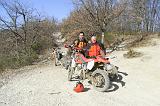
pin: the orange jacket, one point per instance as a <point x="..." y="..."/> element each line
<point x="94" y="50"/>
<point x="81" y="43"/>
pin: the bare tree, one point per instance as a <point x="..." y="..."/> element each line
<point x="139" y="16"/>
<point x="146" y="14"/>
<point x="26" y="32"/>
<point x="99" y="13"/>
<point x="16" y="18"/>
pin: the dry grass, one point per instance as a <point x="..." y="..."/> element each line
<point x="132" y="54"/>
<point x="147" y="41"/>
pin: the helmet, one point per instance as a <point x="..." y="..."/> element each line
<point x="79" y="87"/>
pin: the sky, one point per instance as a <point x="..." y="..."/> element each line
<point x="57" y="8"/>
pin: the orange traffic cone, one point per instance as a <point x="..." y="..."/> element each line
<point x="79" y="87"/>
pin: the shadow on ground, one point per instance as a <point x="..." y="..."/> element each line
<point x="114" y="82"/>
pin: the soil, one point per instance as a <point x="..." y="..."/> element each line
<point x="46" y="85"/>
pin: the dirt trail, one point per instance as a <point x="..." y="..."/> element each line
<point x="139" y="85"/>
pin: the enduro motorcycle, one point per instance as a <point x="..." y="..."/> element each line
<point x="60" y="57"/>
<point x="98" y="70"/>
<point x="58" y="54"/>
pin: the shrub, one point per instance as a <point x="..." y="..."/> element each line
<point x="37" y="47"/>
<point x="159" y="34"/>
<point x="132" y="54"/>
<point x="17" y="62"/>
<point x="1" y="67"/>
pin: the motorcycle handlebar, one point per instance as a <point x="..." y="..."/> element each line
<point x="72" y="47"/>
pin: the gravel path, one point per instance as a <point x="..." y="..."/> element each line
<point x="47" y="85"/>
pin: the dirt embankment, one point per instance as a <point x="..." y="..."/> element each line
<point x="47" y="85"/>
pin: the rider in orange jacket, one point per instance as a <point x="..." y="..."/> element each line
<point x="94" y="48"/>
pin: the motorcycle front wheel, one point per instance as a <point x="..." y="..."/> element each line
<point x="101" y="80"/>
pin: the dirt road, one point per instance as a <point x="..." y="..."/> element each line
<point x="47" y="85"/>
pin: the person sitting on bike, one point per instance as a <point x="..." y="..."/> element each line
<point x="94" y="48"/>
<point x="81" y="42"/>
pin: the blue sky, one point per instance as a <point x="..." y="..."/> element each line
<point x="57" y="8"/>
<point x="52" y="8"/>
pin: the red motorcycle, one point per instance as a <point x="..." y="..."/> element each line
<point x="98" y="70"/>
